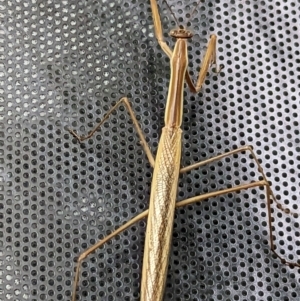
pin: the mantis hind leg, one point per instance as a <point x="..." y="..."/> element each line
<point x="126" y="103"/>
<point x="233" y="152"/>
<point x="189" y="201"/>
<point x="270" y="196"/>
<point x="144" y="214"/>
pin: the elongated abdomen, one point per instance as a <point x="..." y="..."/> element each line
<point x="161" y="215"/>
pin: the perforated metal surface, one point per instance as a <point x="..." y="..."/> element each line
<point x="65" y="63"/>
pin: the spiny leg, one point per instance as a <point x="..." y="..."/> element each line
<point x="126" y="103"/>
<point x="210" y="58"/>
<point x="158" y="29"/>
<point x="145" y="213"/>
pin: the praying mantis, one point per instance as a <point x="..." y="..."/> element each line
<point x="167" y="167"/>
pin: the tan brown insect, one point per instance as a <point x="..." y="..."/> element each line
<point x="167" y="167"/>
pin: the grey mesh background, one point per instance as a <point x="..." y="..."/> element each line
<point x="64" y="64"/>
